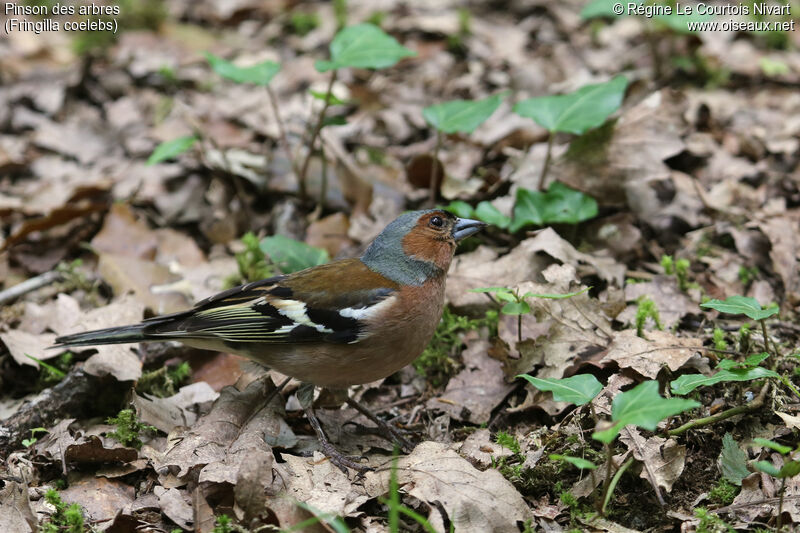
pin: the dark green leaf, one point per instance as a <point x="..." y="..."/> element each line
<point x="583" y="464"/>
<point x="579" y="389"/>
<point x="559" y="204"/>
<point x="290" y="255"/>
<point x="334" y="121"/>
<point x="751" y="361"/>
<point x="688" y="382"/>
<point x="492" y="289"/>
<point x="461" y="116"/>
<point x="363" y="46"/>
<point x="733" y="461"/>
<point x="741" y="305"/>
<point x="258" y="74"/>
<point x="790" y="469"/>
<point x="642" y="406"/>
<point x="171" y="149"/>
<point x="576" y="112"/>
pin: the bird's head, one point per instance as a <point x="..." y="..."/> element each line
<point x="418" y="245"/>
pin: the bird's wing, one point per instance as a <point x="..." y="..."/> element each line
<point x="328" y="303"/>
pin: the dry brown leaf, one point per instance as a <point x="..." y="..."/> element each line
<point x="672" y="303"/>
<point x="605" y="162"/>
<point x="791" y="421"/>
<point x="474" y="500"/>
<point x="648" y="356"/>
<point x="176" y="505"/>
<point x="123" y="234"/>
<point x="663" y="459"/>
<point x="19" y="343"/>
<point x="473" y="393"/>
<point x="749" y="504"/>
<point x="211" y="438"/>
<point x="782" y="233"/>
<point x="168" y="413"/>
<point x="150" y="283"/>
<point x="15" y="510"/>
<point x="480" y="450"/>
<point x="100" y="498"/>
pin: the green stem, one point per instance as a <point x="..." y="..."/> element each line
<point x="546" y="165"/>
<point x="741" y="409"/>
<point x="601" y="504"/>
<point x="790" y="386"/>
<point x="301" y="178"/>
<point x="778" y="523"/>
<point x="614" y="482"/>
<point x="435" y="169"/>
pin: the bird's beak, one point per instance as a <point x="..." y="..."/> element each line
<point x="465" y="227"/>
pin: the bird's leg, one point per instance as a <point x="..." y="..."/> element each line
<point x="389" y="432"/>
<point x="305" y="395"/>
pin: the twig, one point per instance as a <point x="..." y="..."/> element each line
<point x="738" y="410"/>
<point x="546" y="165"/>
<point x="435" y="169"/>
<point x="273" y="101"/>
<point x="42" y="280"/>
<point x="301" y="178"/>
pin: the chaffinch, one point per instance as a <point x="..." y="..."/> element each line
<point x="347" y="322"/>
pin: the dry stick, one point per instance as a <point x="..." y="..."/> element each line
<point x="435" y="168"/>
<point x="739" y="410"/>
<point x="42" y="280"/>
<point x="301" y="178"/>
<point x="546" y="165"/>
<point x="273" y="100"/>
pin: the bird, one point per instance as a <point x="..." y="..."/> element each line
<point x="348" y="322"/>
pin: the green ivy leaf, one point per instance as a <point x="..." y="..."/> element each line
<point x="580" y="389"/>
<point x="363" y="46"/>
<point x="772" y="445"/>
<point x="171" y="149"/>
<point x="258" y="74"/>
<point x="576" y="112"/>
<point x="461" y="209"/>
<point x="741" y="305"/>
<point x="581" y="463"/>
<point x="688" y="382"/>
<point x="461" y="116"/>
<point x="750" y="361"/>
<point x="767" y="468"/>
<point x="515" y="308"/>
<point x="559" y="204"/>
<point x="290" y="255"/>
<point x="733" y="461"/>
<point x="488" y="213"/>
<point x="642" y="406"/>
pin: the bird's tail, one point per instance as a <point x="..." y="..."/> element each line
<point x="118" y="335"/>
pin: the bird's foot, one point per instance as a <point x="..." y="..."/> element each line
<point x="387" y="431"/>
<point x="336" y="457"/>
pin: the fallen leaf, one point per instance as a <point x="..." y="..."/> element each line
<point x="473" y="500"/>
<point x="648" y="356"/>
<point x="663" y="459"/>
<point x="100" y="498"/>
<point x="15" y="510"/>
<point x="473" y="393"/>
<point x="672" y="303"/>
<point x="168" y="413"/>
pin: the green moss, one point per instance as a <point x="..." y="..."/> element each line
<point x="710" y="522"/>
<point x="719" y="340"/>
<point x="303" y="23"/>
<point x="165" y="381"/>
<point x="65" y="518"/>
<point x="252" y="263"/>
<point x="437" y="363"/>
<point x="128" y="429"/>
<point x="723" y="492"/>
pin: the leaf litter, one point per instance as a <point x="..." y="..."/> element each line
<point x="699" y="163"/>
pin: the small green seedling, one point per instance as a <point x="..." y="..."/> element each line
<point x="558" y="205"/>
<point x="171" y="149"/>
<point x="719" y="340"/>
<point x="251" y="262"/>
<point x="31" y="441"/>
<point x="790" y="468"/>
<point x="484" y="211"/>
<point x="646" y="308"/>
<point x="65" y="518"/>
<point x="456" y="116"/>
<point x="577" y="112"/>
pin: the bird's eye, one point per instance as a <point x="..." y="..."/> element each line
<point x="437" y="222"/>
